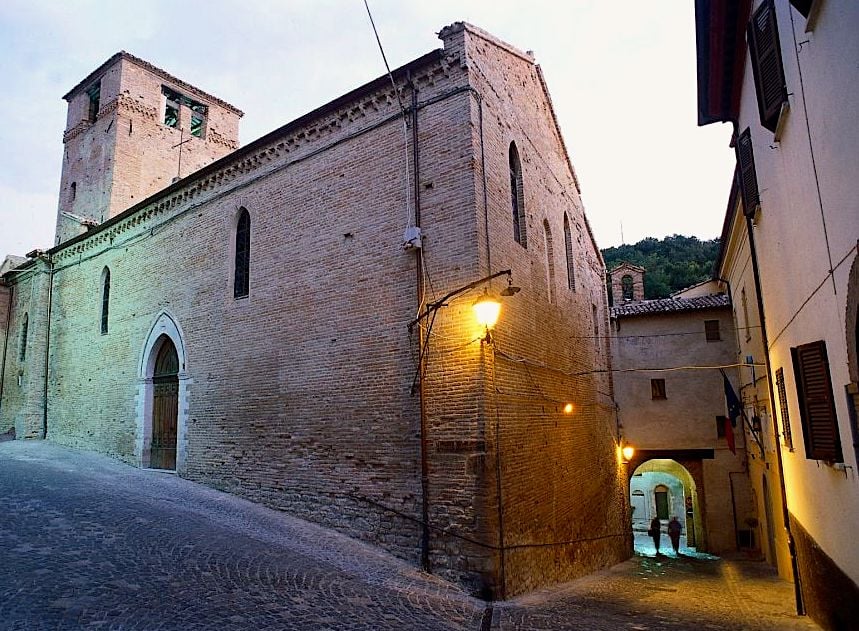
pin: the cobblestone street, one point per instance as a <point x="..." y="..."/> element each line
<point x="88" y="542"/>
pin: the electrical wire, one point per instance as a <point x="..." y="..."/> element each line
<point x="405" y="117"/>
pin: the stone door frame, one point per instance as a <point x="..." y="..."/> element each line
<point x="166" y="325"/>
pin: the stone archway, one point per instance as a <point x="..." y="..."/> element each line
<point x="163" y="352"/>
<point x="682" y="481"/>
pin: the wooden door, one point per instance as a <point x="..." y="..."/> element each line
<point x="165" y="407"/>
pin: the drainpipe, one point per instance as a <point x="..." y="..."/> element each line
<point x="791" y="545"/>
<point x="419" y="271"/>
<point x="49" y="260"/>
<point x="6" y="342"/>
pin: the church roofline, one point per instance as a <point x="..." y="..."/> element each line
<point x="368" y="88"/>
<point x="166" y="76"/>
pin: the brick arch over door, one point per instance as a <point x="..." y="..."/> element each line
<point x="165" y="326"/>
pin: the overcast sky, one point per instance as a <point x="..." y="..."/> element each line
<point x="621" y="74"/>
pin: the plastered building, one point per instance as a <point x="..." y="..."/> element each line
<point x="670" y="394"/>
<point x="783" y="74"/>
<point x="291" y="321"/>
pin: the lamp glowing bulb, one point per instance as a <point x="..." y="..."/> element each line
<point x="628" y="452"/>
<point x="568" y="408"/>
<point x="487" y="308"/>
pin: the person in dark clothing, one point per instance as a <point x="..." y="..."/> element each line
<point x="655" y="532"/>
<point x="674" y="530"/>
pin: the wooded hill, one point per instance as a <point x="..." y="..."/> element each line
<point x="674" y="263"/>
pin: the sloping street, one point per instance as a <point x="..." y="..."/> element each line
<point x="88" y="542"/>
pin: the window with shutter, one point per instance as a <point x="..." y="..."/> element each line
<point x="816" y="403"/>
<point x="767" y="65"/>
<point x="787" y="438"/>
<point x="747" y="174"/>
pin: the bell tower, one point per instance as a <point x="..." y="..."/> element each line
<point x="131" y="130"/>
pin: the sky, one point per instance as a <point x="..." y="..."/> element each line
<point x="621" y="74"/>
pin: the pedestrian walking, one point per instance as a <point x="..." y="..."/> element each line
<point x="655" y="532"/>
<point x="674" y="530"/>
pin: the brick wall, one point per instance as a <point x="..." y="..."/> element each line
<point x="128" y="153"/>
<point x="300" y="395"/>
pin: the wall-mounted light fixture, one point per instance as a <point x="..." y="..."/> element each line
<point x="627" y="451"/>
<point x="487" y="308"/>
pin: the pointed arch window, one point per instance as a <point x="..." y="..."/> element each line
<point x="105" y="299"/>
<point x="22" y="350"/>
<point x="568" y="249"/>
<point x="517" y="197"/>
<point x="241" y="283"/>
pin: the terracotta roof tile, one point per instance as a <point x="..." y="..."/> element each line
<point x="670" y="305"/>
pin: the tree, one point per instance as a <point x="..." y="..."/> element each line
<point x="674" y="263"/>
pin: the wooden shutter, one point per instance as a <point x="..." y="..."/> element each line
<point x="816" y="403"/>
<point x="767" y="64"/>
<point x="747" y="174"/>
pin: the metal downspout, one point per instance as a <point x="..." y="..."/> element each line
<point x="419" y="271"/>
<point x="6" y="342"/>
<point x="791" y="545"/>
<point x="50" y="262"/>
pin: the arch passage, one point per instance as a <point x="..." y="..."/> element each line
<point x="165" y="405"/>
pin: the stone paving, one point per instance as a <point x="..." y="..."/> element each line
<point x="87" y="542"/>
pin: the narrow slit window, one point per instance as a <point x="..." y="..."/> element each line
<point x="105" y="300"/>
<point x="550" y="261"/>
<point x="22" y="350"/>
<point x="241" y="284"/>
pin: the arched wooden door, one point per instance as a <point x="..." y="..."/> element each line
<point x="165" y="406"/>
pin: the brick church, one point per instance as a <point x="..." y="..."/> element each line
<point x="292" y="321"/>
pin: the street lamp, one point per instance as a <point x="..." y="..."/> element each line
<point x="487" y="309"/>
<point x="628" y="452"/>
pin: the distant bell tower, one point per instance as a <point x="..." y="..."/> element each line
<point x="627" y="284"/>
<point x="131" y="130"/>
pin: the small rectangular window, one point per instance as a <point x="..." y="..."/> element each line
<point x="657" y="389"/>
<point x="816" y="403"/>
<point x="720" y="426"/>
<point x="711" y="330"/>
<point x="787" y="439"/>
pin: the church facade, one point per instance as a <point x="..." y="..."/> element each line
<point x="291" y="321"/>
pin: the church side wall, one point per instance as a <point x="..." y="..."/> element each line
<point x="297" y="396"/>
<point x="562" y="511"/>
<point x="23" y="375"/>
